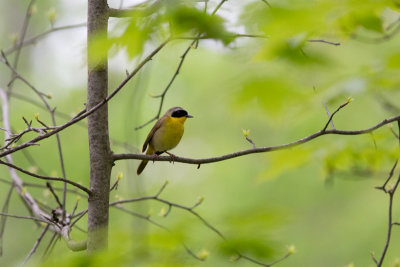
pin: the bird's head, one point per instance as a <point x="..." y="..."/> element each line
<point x="178" y="113"/>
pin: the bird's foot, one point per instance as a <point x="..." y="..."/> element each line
<point x="154" y="156"/>
<point x="172" y="157"/>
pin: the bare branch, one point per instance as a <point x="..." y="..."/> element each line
<point x="147" y="218"/>
<point x="4" y="218"/>
<point x="48" y="185"/>
<point x="385" y="37"/>
<point x="391" y="193"/>
<point x="383" y="187"/>
<point x="52" y="241"/>
<point x="218" y="7"/>
<point x="242" y="35"/>
<point x="25" y="25"/>
<point x="75" y="207"/>
<point x="141" y="10"/>
<point x="79" y="216"/>
<point x="51" y="112"/>
<point x="255" y="150"/>
<point x="83" y="114"/>
<point x="333" y="114"/>
<point x="117" y="204"/>
<point x="267" y="3"/>
<point x="171" y="204"/>
<point x="183" y="56"/>
<point x="36" y="38"/>
<point x="46" y="177"/>
<point x="29" y="201"/>
<point x="323" y="41"/>
<point x="34" y="185"/>
<point x="33" y="250"/>
<point x="23" y="217"/>
<point x="162" y="95"/>
<point x="241" y="256"/>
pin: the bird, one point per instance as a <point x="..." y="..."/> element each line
<point x="165" y="134"/>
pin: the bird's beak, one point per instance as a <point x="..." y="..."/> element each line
<point x="189" y="116"/>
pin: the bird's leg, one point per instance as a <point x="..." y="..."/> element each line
<point x="172" y="157"/>
<point x="154" y="156"/>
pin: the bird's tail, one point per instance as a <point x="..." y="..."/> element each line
<point x="143" y="164"/>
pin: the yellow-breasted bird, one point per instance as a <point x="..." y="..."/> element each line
<point x="165" y="134"/>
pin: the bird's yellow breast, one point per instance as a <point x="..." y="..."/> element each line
<point x="169" y="134"/>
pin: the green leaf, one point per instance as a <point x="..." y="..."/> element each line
<point x="371" y="22"/>
<point x="247" y="246"/>
<point x="184" y="19"/>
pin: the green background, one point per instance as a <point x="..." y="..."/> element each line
<point x="319" y="197"/>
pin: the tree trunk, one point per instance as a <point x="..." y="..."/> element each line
<point x="99" y="145"/>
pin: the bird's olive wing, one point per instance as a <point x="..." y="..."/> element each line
<point x="151" y="134"/>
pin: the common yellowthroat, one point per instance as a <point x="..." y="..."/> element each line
<point x="165" y="134"/>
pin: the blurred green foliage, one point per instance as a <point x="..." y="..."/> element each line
<point x="319" y="196"/>
<point x="162" y="20"/>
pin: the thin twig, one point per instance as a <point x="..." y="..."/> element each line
<point x="240" y="256"/>
<point x="80" y="215"/>
<point x="49" y="178"/>
<point x="34" y="185"/>
<point x="171" y="204"/>
<point x="147" y="218"/>
<point x="218" y="7"/>
<point x="4" y="218"/>
<point x="333" y="114"/>
<point x="75" y="207"/>
<point x="267" y="3"/>
<point x="50" y="244"/>
<point x="391" y="193"/>
<point x="37" y="213"/>
<point x="48" y="185"/>
<point x="23" y="217"/>
<point x="156" y="197"/>
<point x="183" y="56"/>
<point x="84" y="113"/>
<point x="36" y="38"/>
<point x="383" y="187"/>
<point x="323" y="41"/>
<point x="385" y="37"/>
<point x="33" y="250"/>
<point x="18" y="46"/>
<point x="162" y="95"/>
<point x="63" y="116"/>
<point x="51" y="112"/>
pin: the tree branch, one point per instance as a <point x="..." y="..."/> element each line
<point x="183" y="56"/>
<point x="33" y="250"/>
<point x="391" y="193"/>
<point x="36" y="38"/>
<point x="4" y="218"/>
<point x="24" y="217"/>
<point x="83" y="114"/>
<point x="162" y="95"/>
<point x="25" y="25"/>
<point x="83" y="188"/>
<point x="255" y="150"/>
<point x="140" y="10"/>
<point x="34" y="185"/>
<point x="147" y="218"/>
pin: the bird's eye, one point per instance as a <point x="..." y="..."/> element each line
<point x="179" y="113"/>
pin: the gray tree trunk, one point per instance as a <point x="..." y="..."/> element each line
<point x="99" y="145"/>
